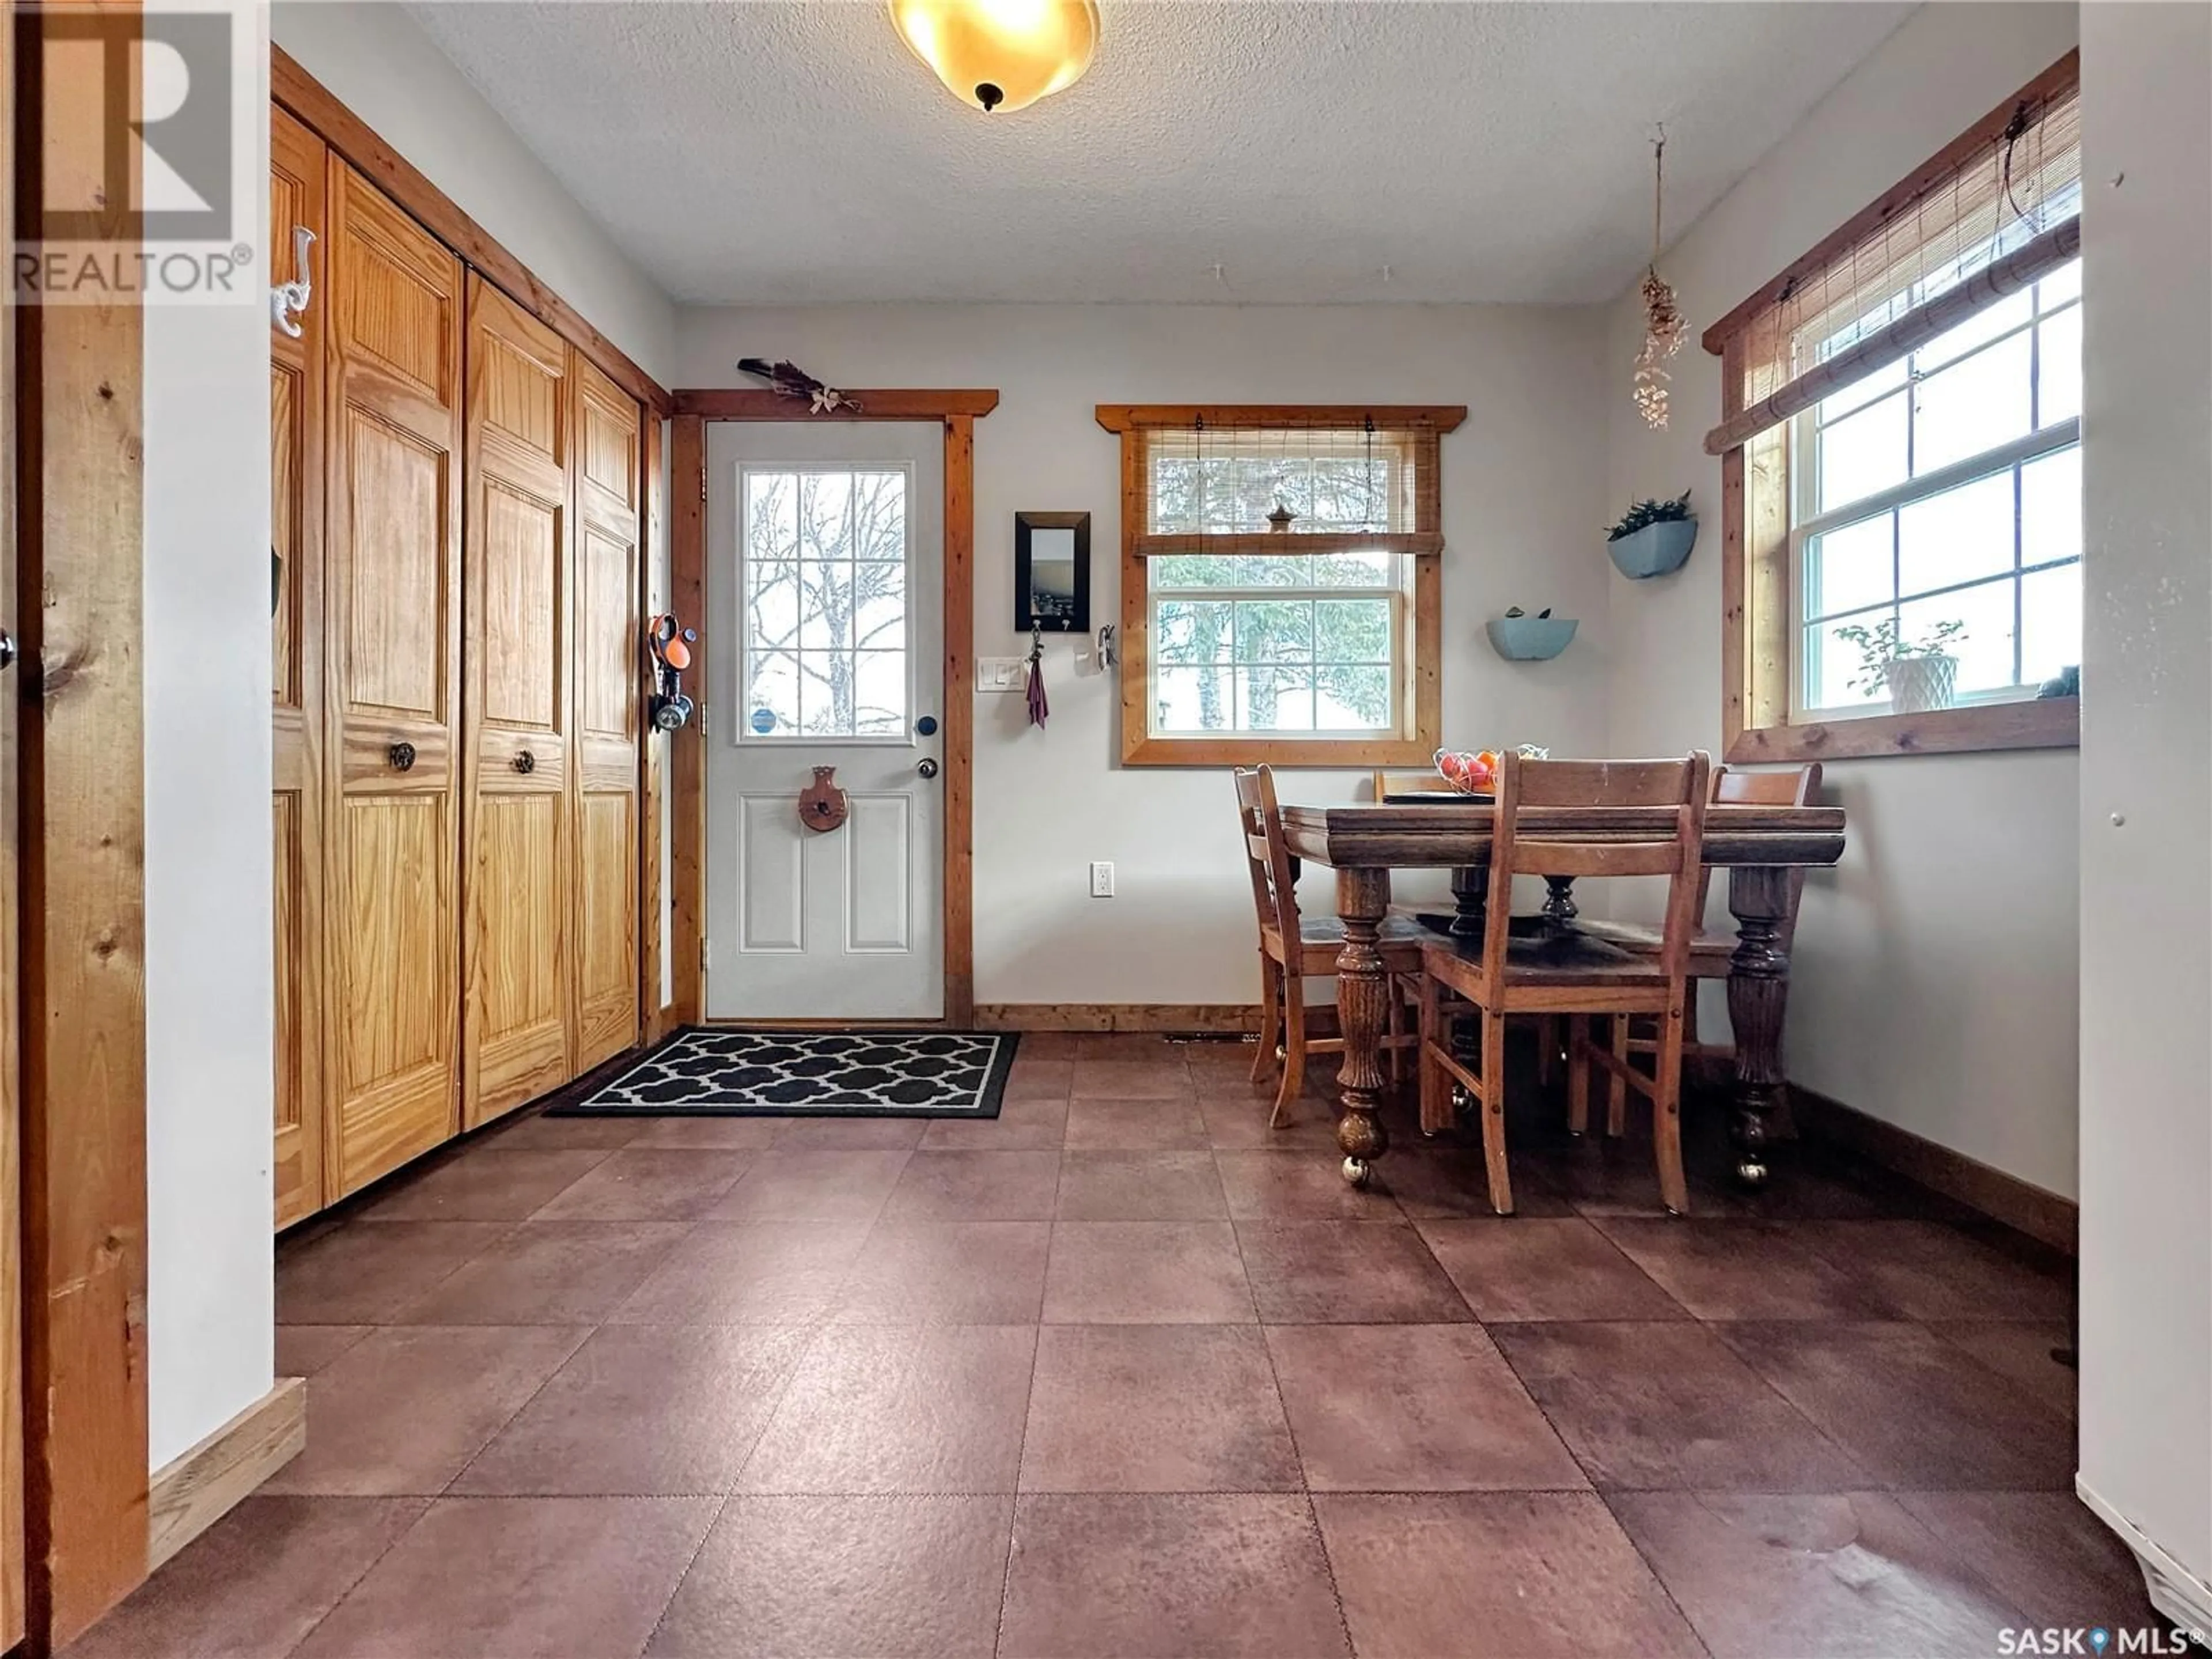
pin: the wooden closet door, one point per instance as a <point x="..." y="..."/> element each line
<point x="516" y="953"/>
<point x="297" y="163"/>
<point x="391" y="684"/>
<point x="610" y="657"/>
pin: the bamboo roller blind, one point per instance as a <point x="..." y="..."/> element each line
<point x="1209" y="488"/>
<point x="1999" y="208"/>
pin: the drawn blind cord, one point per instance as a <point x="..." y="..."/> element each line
<point x="1038" y="706"/>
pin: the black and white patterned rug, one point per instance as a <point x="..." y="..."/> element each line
<point x="715" y="1073"/>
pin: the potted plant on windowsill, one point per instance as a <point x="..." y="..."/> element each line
<point x="1653" y="537"/>
<point x="1919" y="673"/>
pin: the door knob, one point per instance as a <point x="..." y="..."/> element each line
<point x="928" y="769"/>
<point x="7" y="649"/>
<point x="402" y="756"/>
<point x="525" y="763"/>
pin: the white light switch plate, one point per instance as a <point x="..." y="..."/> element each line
<point x="1001" y="674"/>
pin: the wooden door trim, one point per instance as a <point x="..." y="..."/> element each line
<point x="347" y="134"/>
<point x="958" y="411"/>
<point x="79" y="392"/>
<point x="756" y="404"/>
<point x="687" y="749"/>
<point x="654" y="1016"/>
<point x="12" y="709"/>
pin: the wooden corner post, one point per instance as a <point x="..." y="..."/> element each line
<point x="78" y="410"/>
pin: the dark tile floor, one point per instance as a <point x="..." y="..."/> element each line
<point x="1124" y="1374"/>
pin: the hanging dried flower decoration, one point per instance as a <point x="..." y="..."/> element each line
<point x="1663" y="325"/>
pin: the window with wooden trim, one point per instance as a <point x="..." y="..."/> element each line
<point x="1900" y="445"/>
<point x="1279" y="584"/>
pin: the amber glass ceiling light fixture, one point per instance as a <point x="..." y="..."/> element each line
<point x="1001" y="54"/>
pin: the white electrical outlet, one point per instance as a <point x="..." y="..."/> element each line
<point x="1102" y="879"/>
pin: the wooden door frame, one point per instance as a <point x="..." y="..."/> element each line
<point x="78" y="391"/>
<point x="957" y="411"/>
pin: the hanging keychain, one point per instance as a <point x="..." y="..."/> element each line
<point x="670" y="645"/>
<point x="1038" y="706"/>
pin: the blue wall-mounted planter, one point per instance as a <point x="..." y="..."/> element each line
<point x="1531" y="638"/>
<point x="1654" y="549"/>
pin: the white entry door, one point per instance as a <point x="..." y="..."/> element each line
<point x="825" y="597"/>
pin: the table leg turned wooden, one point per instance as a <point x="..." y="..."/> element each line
<point x="1757" y="997"/>
<point x="1470" y="900"/>
<point x="1362" y="998"/>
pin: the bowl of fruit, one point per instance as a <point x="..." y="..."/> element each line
<point x="1469" y="773"/>
<point x="1474" y="772"/>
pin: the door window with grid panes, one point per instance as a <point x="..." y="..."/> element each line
<point x="824" y="566"/>
<point x="1946" y="488"/>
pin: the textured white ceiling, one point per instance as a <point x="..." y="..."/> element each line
<point x="755" y="152"/>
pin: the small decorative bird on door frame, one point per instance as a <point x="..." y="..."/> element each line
<point x="787" y="378"/>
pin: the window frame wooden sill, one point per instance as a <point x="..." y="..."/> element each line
<point x="1308" y="754"/>
<point x="1978" y="728"/>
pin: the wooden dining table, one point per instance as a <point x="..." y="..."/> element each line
<point x="1764" y="849"/>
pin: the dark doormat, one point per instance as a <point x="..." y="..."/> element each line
<point x="702" y="1073"/>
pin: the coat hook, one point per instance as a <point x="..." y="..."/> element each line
<point x="285" y="299"/>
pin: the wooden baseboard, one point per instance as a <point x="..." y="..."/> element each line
<point x="190" y="1494"/>
<point x="1116" y="1016"/>
<point x="2018" y="1203"/>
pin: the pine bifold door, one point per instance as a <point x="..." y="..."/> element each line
<point x="458" y="663"/>
<point x="553" y="651"/>
<point x="297" y="167"/>
<point x="825" y="571"/>
<point x="609" y="658"/>
<point x="391" y="684"/>
<point x="516" y="1042"/>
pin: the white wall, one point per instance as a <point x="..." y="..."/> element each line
<point x="1935" y="972"/>
<point x="378" y="62"/>
<point x="2147" y="787"/>
<point x="1519" y="506"/>
<point x="210" y="1298"/>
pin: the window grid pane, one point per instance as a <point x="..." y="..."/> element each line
<point x="825" y="623"/>
<point x="1234" y="651"/>
<point x="1951" y="555"/>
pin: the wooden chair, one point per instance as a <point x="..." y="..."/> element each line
<point x="1596" y="821"/>
<point x="1294" y="948"/>
<point x="1711" y="951"/>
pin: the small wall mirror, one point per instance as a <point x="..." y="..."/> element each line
<point x="1052" y="571"/>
